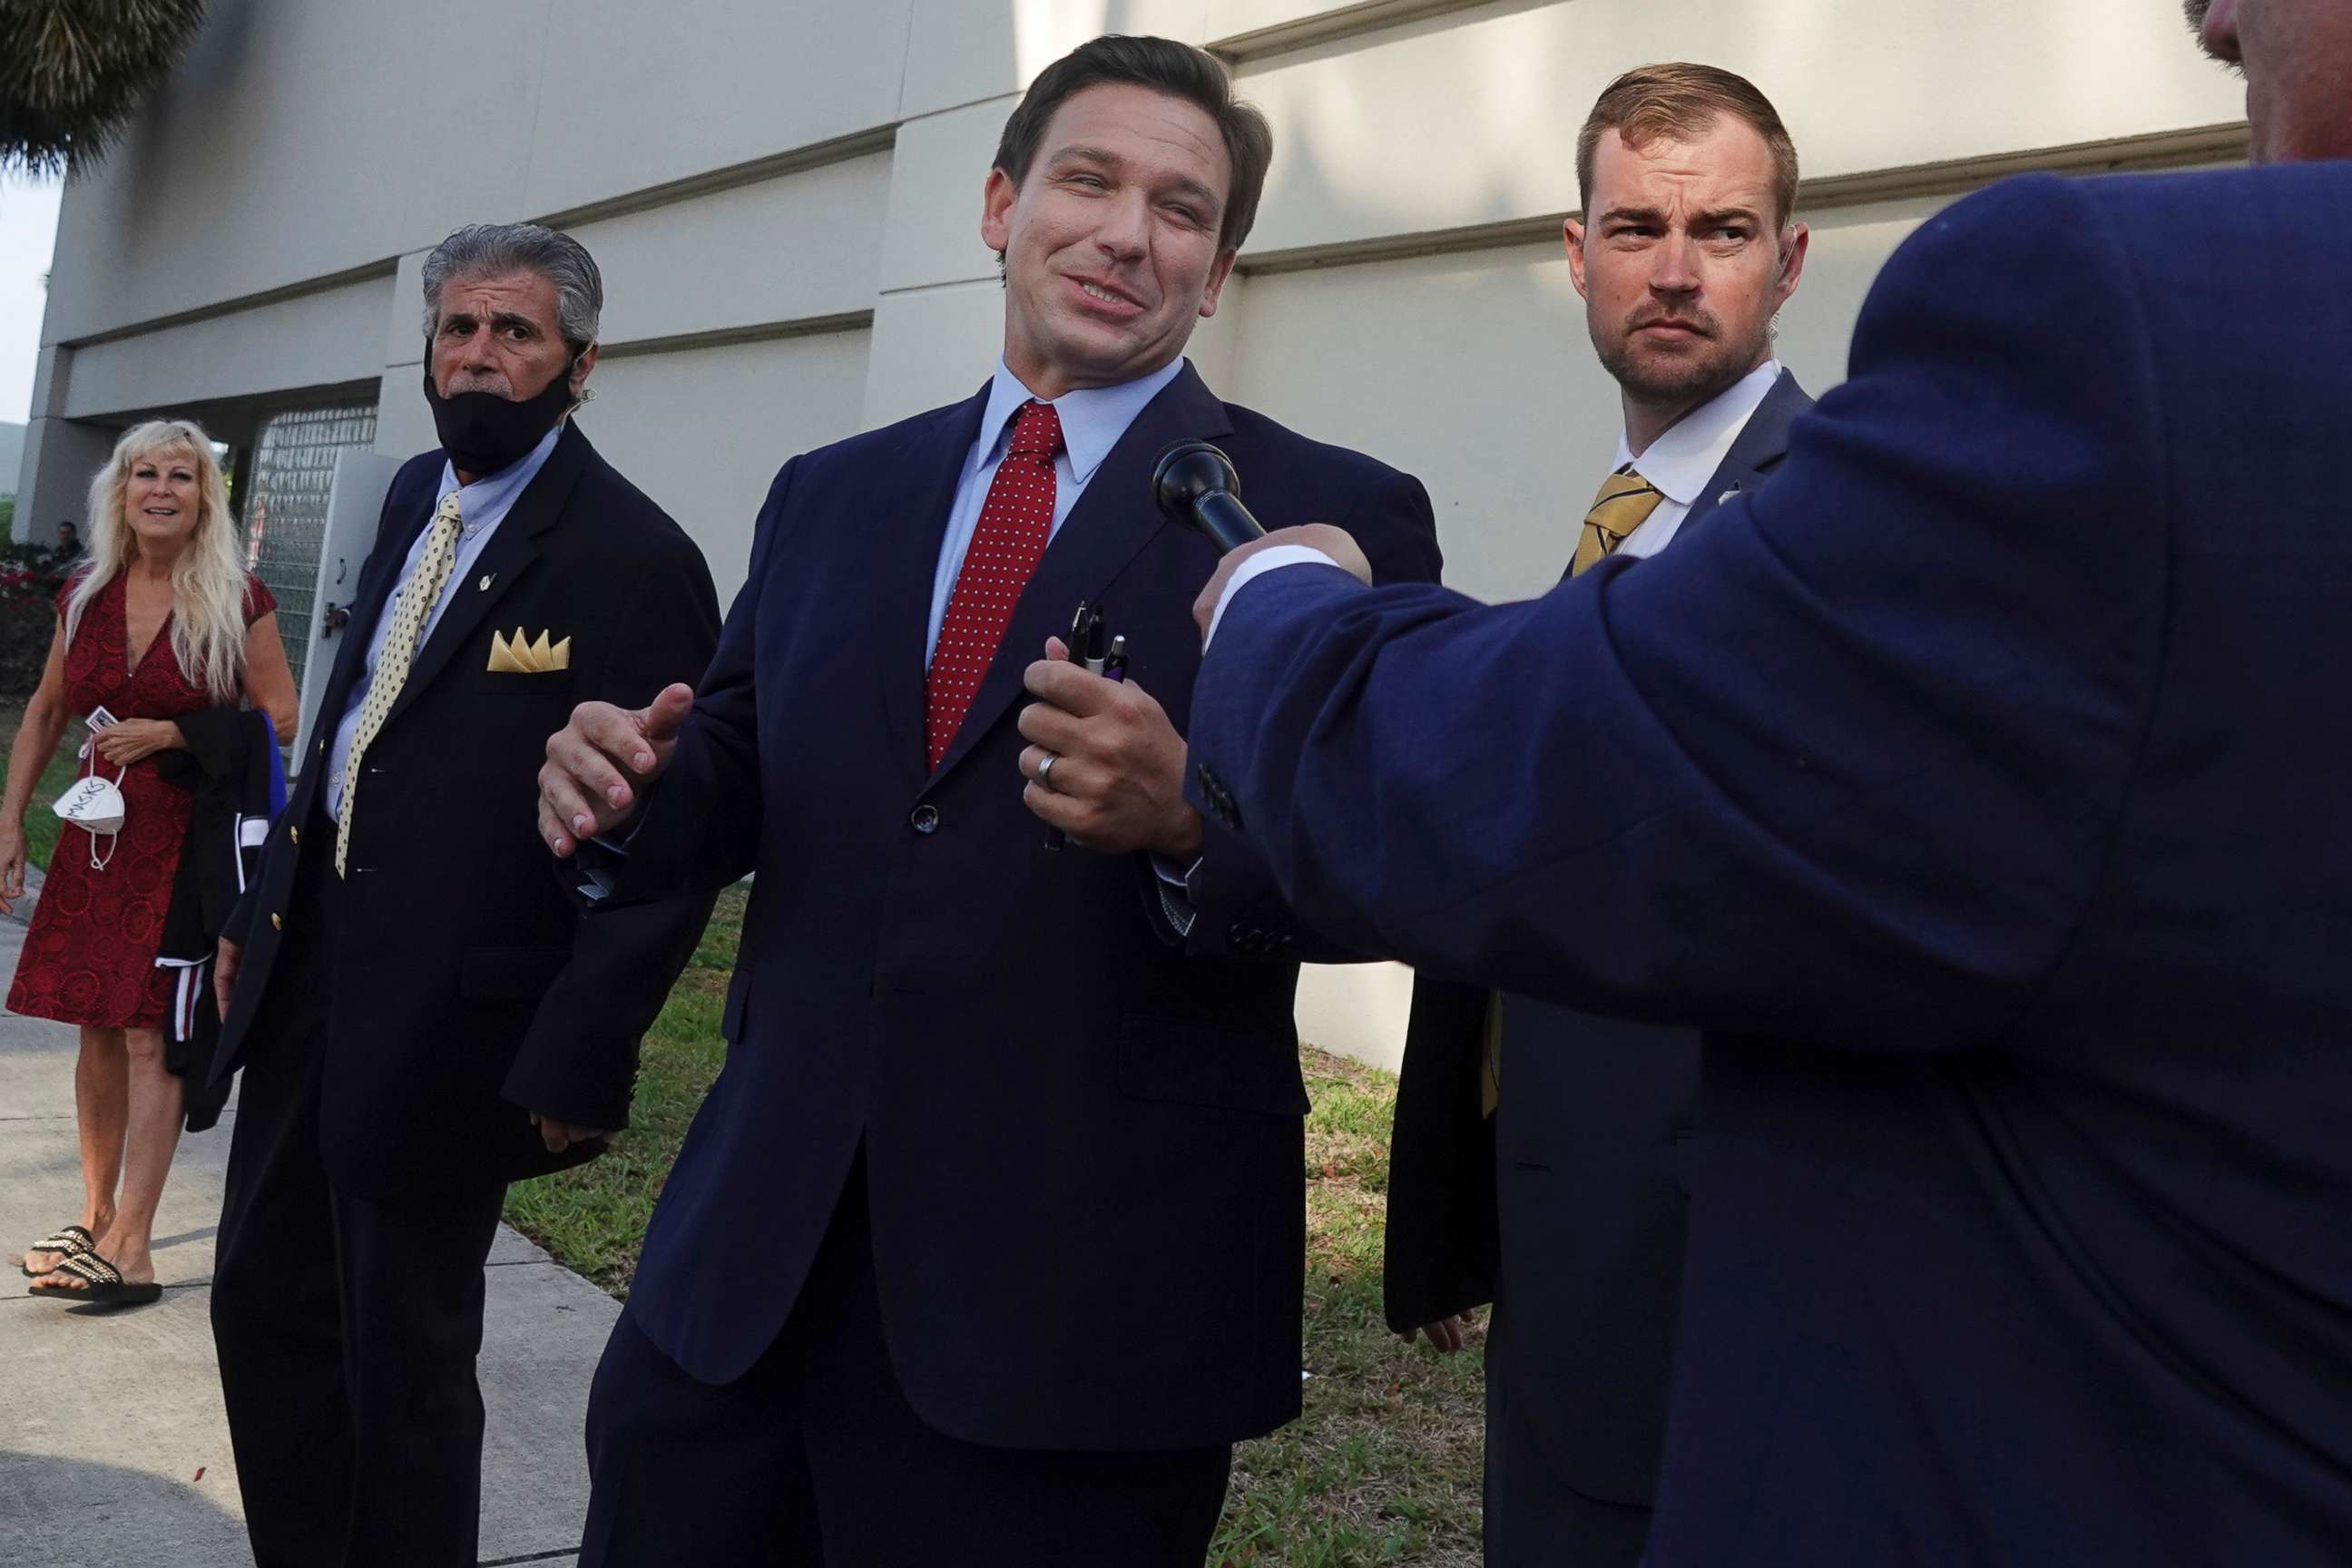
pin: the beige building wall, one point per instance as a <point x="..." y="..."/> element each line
<point x="785" y="199"/>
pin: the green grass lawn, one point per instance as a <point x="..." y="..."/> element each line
<point x="1383" y="1467"/>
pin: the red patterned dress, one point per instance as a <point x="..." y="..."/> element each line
<point x="89" y="957"/>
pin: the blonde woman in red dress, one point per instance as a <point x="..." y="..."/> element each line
<point x="161" y="619"/>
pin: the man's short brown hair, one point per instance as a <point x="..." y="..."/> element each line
<point x="1680" y="101"/>
<point x="1179" y="70"/>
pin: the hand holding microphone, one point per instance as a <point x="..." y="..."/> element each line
<point x="1196" y="486"/>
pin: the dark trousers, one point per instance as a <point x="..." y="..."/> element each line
<point x="346" y="1327"/>
<point x="1534" y="1518"/>
<point x="814" y="1456"/>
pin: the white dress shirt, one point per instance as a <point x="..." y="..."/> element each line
<point x="481" y="507"/>
<point x="1685" y="458"/>
<point x="1679" y="463"/>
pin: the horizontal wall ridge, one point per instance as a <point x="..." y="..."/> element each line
<point x="2200" y="146"/>
<point x="723" y="337"/>
<point x="1341" y="24"/>
<point x="368" y="272"/>
<point x="733" y="176"/>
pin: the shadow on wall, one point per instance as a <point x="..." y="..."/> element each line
<point x="68" y="1513"/>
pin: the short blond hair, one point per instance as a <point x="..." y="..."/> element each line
<point x="1680" y="101"/>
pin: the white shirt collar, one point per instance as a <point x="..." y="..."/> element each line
<point x="1681" y="461"/>
<point x="1093" y="417"/>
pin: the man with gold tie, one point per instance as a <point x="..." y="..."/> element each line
<point x="1556" y="1185"/>
<point x="422" y="1015"/>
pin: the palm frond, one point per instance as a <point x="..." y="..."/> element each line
<point x="73" y="72"/>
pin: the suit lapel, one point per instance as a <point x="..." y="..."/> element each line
<point x="909" y="517"/>
<point x="377" y="580"/>
<point x="1111" y="522"/>
<point x="1762" y="442"/>
<point x="513" y="546"/>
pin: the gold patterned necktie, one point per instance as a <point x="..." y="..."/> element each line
<point x="417" y="597"/>
<point x="1625" y="502"/>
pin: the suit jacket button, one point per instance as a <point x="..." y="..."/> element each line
<point x="925" y="819"/>
<point x="276" y="923"/>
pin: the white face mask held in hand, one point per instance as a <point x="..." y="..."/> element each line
<point x="94" y="804"/>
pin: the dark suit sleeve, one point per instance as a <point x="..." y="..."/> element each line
<point x="1845" y="766"/>
<point x="1238" y="913"/>
<point x="579" y="1060"/>
<point x="1441" y="1242"/>
<point x="701" y="828"/>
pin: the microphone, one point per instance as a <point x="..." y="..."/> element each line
<point x="1195" y="486"/>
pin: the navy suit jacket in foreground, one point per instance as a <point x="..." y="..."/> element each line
<point x="1984" y="787"/>
<point x="1082" y="1142"/>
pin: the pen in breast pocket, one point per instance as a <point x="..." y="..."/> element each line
<point x="1092" y="654"/>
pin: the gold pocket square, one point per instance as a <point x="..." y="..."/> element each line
<point x="517" y="656"/>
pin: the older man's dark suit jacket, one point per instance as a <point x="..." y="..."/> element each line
<point x="1569" y="1203"/>
<point x="467" y="991"/>
<point x="1083" y="1144"/>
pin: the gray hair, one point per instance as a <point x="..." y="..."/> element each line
<point x="487" y="250"/>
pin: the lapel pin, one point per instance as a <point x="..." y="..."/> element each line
<point x="485" y="580"/>
<point x="1718" y="500"/>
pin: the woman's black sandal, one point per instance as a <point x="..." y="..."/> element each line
<point x="72" y="1241"/>
<point x="103" y="1284"/>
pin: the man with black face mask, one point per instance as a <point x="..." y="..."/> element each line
<point x="422" y="1017"/>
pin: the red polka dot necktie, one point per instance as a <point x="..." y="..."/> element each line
<point x="1015" y="523"/>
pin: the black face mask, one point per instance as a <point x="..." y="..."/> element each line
<point x="483" y="432"/>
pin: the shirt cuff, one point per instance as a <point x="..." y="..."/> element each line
<point x="1173" y="874"/>
<point x="596" y="881"/>
<point x="1257" y="566"/>
<point x="1175" y="893"/>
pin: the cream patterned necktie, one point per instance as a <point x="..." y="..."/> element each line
<point x="417" y="597"/>
<point x="1625" y="502"/>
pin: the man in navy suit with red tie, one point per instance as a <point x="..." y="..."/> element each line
<point x="988" y="1244"/>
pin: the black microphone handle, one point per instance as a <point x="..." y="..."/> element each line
<point x="1220" y="515"/>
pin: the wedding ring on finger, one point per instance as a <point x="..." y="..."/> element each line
<point x="1045" y="766"/>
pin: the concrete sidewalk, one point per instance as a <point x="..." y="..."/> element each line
<point x="114" y="1449"/>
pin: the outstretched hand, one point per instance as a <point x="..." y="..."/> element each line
<point x="599" y="764"/>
